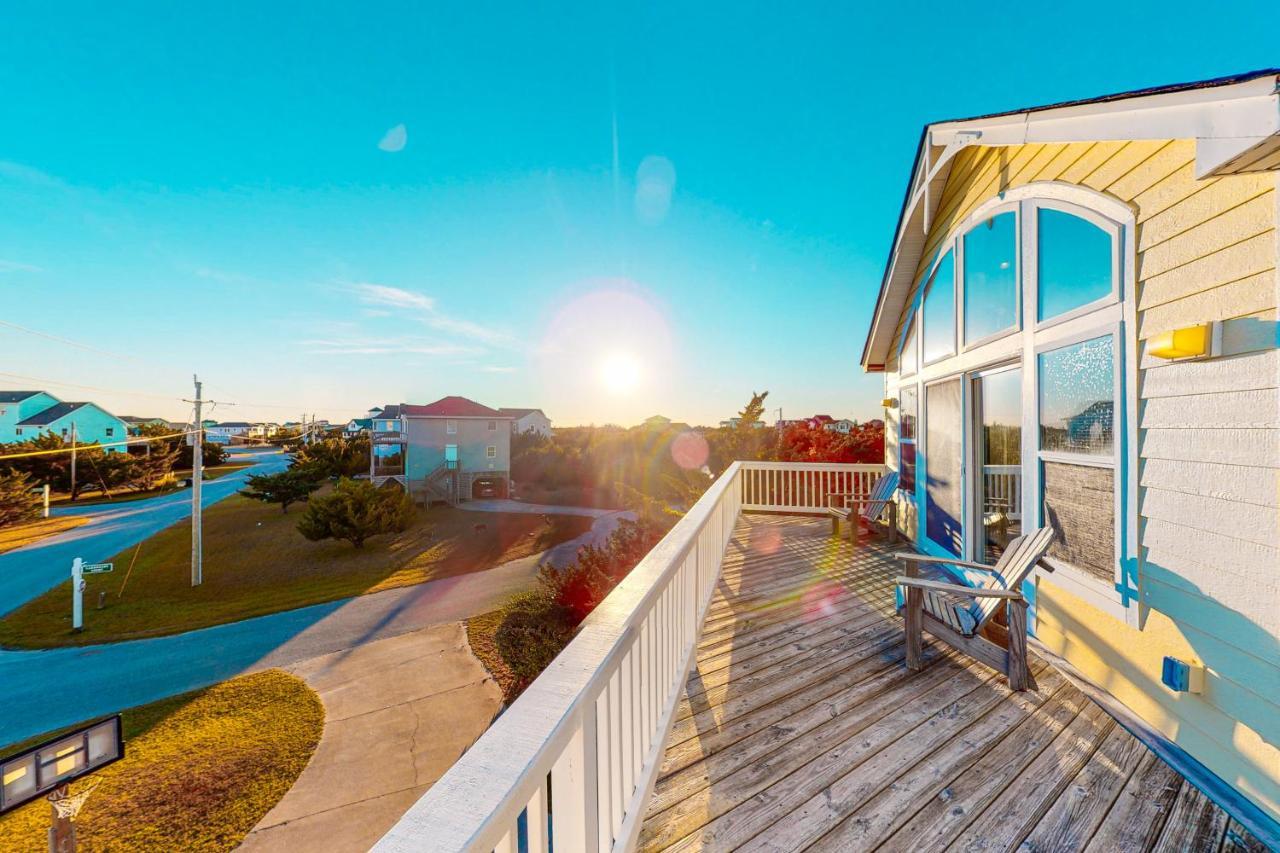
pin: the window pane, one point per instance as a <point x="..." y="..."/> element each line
<point x="940" y="311"/>
<point x="990" y="277"/>
<point x="942" y="465"/>
<point x="907" y="406"/>
<point x="1074" y="262"/>
<point x="1081" y="506"/>
<point x="908" y="359"/>
<point x="1077" y="390"/>
<point x="907" y="469"/>
<point x="907" y="441"/>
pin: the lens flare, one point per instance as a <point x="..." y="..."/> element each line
<point x="689" y="450"/>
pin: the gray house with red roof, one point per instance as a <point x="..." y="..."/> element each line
<point x="455" y="449"/>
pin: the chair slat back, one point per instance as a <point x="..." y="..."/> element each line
<point x="881" y="494"/>
<point x="1015" y="564"/>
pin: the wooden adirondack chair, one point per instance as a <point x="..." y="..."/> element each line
<point x="955" y="613"/>
<point x="844" y="506"/>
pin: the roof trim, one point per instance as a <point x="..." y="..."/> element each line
<point x="1235" y="121"/>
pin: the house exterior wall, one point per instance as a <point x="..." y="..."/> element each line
<point x="426" y="439"/>
<point x="92" y="424"/>
<point x="532" y="422"/>
<point x="12" y="413"/>
<point x="1207" y="447"/>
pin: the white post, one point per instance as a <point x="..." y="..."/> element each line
<point x="45" y="490"/>
<point x="77" y="594"/>
<point x="197" y="477"/>
<point x="73" y="460"/>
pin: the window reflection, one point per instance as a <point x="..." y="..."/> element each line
<point x="940" y="311"/>
<point x="990" y="277"/>
<point x="1077" y="398"/>
<point x="908" y="357"/>
<point x="1074" y="262"/>
<point x="907" y="441"/>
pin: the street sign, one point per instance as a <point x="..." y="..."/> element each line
<point x="96" y="568"/>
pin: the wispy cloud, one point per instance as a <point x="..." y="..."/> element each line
<point x="394" y="139"/>
<point x="493" y="368"/>
<point x="29" y="175"/>
<point x="18" y="266"/>
<point x="382" y="297"/>
<point x="383" y="346"/>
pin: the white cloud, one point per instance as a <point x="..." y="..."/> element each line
<point x="17" y="266"/>
<point x="393" y="297"/>
<point x="493" y="368"/>
<point x="383" y="346"/>
<point x="394" y="139"/>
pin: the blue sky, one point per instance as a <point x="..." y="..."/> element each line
<point x="321" y="207"/>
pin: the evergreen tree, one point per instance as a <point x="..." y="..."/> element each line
<point x="284" y="488"/>
<point x="354" y="511"/>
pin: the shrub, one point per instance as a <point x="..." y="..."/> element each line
<point x="532" y="633"/>
<point x="17" y="500"/>
<point x="284" y="488"/>
<point x="354" y="511"/>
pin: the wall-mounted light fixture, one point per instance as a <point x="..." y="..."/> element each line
<point x="1189" y="342"/>
<point x="889" y="402"/>
<point x="1182" y="676"/>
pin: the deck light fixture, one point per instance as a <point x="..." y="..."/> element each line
<point x="889" y="402"/>
<point x="1189" y="342"/>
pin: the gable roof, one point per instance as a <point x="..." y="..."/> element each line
<point x="1234" y="120"/>
<point x="388" y="412"/>
<point x="61" y="410"/>
<point x="234" y="424"/>
<point x="19" y="396"/>
<point x="517" y="414"/>
<point x="452" y="407"/>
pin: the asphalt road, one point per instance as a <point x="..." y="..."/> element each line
<point x="29" y="571"/>
<point x="44" y="690"/>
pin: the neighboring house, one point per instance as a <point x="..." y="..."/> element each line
<point x="656" y="422"/>
<point x="788" y="423"/>
<point x="454" y="449"/>
<point x="136" y="423"/>
<point x="843" y="426"/>
<point x="16" y="406"/>
<point x="86" y="423"/>
<point x="225" y="432"/>
<point x="528" y="420"/>
<point x="820" y="421"/>
<point x="357" y="426"/>
<point x="734" y="423"/>
<point x="1090" y="232"/>
<point x="263" y="430"/>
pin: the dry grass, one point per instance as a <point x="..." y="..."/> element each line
<point x="480" y="633"/>
<point x="18" y="535"/>
<point x="200" y="770"/>
<point x="256" y="562"/>
<point x="97" y="498"/>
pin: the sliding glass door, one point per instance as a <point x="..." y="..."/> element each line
<point x="943" y="464"/>
<point x="997" y="480"/>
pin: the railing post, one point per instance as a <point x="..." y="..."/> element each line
<point x="573" y="789"/>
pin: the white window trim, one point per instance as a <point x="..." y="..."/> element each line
<point x="450" y="426"/>
<point x="971" y="224"/>
<point x="1114" y="314"/>
<point x="491" y="452"/>
<point x="943" y="251"/>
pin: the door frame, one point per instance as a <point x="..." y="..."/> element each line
<point x="973" y="461"/>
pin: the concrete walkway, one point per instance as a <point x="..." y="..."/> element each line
<point x="48" y="689"/>
<point x="398" y="713"/>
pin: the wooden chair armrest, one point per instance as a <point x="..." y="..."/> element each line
<point x="950" y="561"/>
<point x="969" y="591"/>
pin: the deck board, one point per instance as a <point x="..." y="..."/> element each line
<point x="800" y="728"/>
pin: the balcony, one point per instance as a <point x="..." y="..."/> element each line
<point x="387" y="437"/>
<point x="744" y="687"/>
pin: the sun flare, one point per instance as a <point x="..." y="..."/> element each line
<point x="620" y="372"/>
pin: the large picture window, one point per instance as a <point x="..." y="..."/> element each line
<point x="907" y="360"/>
<point x="939" y="311"/>
<point x="1074" y="262"/>
<point x="991" y="277"/>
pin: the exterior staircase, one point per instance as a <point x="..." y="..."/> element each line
<point x="442" y="484"/>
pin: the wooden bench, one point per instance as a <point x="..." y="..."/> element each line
<point x="865" y="509"/>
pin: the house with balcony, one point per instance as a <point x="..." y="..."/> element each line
<point x="452" y="450"/>
<point x="226" y="432"/>
<point x="25" y="415"/>
<point x="1076" y="329"/>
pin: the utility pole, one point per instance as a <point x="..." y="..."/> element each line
<point x="197" y="476"/>
<point x="73" y="460"/>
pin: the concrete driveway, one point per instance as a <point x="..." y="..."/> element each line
<point x="33" y="569"/>
<point x="398" y="713"/>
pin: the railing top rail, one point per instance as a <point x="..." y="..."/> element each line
<point x="811" y="466"/>
<point x="496" y="777"/>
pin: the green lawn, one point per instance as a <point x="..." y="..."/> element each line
<point x="17" y="535"/>
<point x="200" y="769"/>
<point x="124" y="496"/>
<point x="256" y="562"/>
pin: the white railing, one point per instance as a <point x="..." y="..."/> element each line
<point x="802" y="486"/>
<point x="573" y="761"/>
<point x="1002" y="486"/>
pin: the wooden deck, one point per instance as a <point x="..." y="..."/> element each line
<point x="801" y="728"/>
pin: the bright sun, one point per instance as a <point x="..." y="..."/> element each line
<point x="620" y="372"/>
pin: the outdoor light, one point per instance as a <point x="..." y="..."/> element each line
<point x="889" y="402"/>
<point x="1182" y="676"/>
<point x="1183" y="343"/>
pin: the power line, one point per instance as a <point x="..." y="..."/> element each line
<point x="45" y="381"/>
<point x="141" y="440"/>
<point x="70" y="342"/>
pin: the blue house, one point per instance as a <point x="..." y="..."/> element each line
<point x="25" y="415"/>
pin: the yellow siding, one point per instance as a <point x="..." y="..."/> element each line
<point x="1209" y="468"/>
